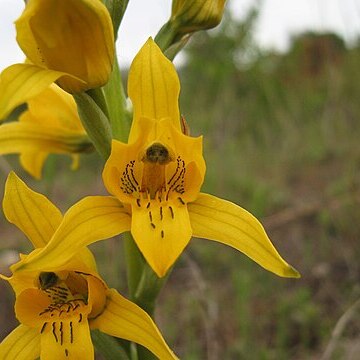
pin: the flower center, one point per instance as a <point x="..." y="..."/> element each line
<point x="157" y="153"/>
<point x="47" y="280"/>
<point x="155" y="183"/>
<point x="68" y="306"/>
<point x="66" y="294"/>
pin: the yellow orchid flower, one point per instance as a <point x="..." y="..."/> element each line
<point x="156" y="180"/>
<point x="56" y="309"/>
<point x="68" y="41"/>
<point x="49" y="125"/>
<point x="159" y="174"/>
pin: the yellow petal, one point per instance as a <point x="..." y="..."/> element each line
<point x="153" y="87"/>
<point x="63" y="333"/>
<point x="97" y="295"/>
<point x="33" y="162"/>
<point x="68" y="339"/>
<point x="35" y="143"/>
<point x="62" y="336"/>
<point x="92" y="219"/>
<point x="19" y="137"/>
<point x="220" y="220"/>
<point x="30" y="211"/>
<point x="83" y="262"/>
<point x="23" y="343"/>
<point x="20" y="282"/>
<point x="50" y="124"/>
<point x="161" y="232"/>
<point x="124" y="319"/>
<point x="86" y="257"/>
<point x="121" y="155"/>
<point x="21" y="82"/>
<point x="53" y="107"/>
<point x="189" y="150"/>
<point x="29" y="304"/>
<point x="74" y="36"/>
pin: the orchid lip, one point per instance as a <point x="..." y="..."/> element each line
<point x="154" y="184"/>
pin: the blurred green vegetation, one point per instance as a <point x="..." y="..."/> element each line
<point x="281" y="138"/>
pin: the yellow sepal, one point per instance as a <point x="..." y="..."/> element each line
<point x="153" y="88"/>
<point x="30" y="211"/>
<point x="33" y="162"/>
<point x="21" y="82"/>
<point x="92" y="219"/>
<point x="222" y="221"/>
<point x="124" y="319"/>
<point x="19" y="137"/>
<point x="23" y="343"/>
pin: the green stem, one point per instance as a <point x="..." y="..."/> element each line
<point x="166" y="36"/>
<point x="149" y="288"/>
<point x="170" y="41"/>
<point x="50" y="172"/>
<point x="116" y="104"/>
<point x="144" y="285"/>
<point x="134" y="264"/>
<point x="108" y="346"/>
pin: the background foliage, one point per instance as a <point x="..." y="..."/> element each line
<point x="281" y="136"/>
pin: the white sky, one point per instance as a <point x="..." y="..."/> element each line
<point x="279" y="19"/>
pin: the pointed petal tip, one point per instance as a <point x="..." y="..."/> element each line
<point x="12" y="176"/>
<point x="225" y="222"/>
<point x="160" y="268"/>
<point x="4" y="277"/>
<point x="291" y="272"/>
<point x="150" y="40"/>
<point x="18" y="266"/>
<point x="160" y="271"/>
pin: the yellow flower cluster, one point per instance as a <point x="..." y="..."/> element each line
<point x="154" y="180"/>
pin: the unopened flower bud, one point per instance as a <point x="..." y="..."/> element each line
<point x="194" y="15"/>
